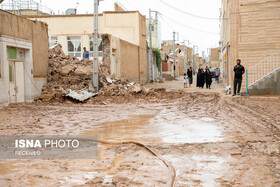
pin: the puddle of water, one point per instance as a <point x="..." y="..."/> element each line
<point x="133" y="128"/>
<point x="207" y="119"/>
<point x="165" y="127"/>
<point x="199" y="170"/>
<point x="190" y="131"/>
<point x="74" y="181"/>
<point x="211" y="169"/>
<point x="90" y="175"/>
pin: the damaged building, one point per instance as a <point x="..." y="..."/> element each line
<point x="23" y="58"/>
<point x="122" y="43"/>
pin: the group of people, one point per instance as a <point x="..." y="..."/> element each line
<point x="203" y="77"/>
<point x="188" y="75"/>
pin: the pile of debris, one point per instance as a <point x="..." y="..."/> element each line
<point x="67" y="74"/>
<point x="168" y="77"/>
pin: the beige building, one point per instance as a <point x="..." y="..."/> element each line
<point x="180" y="68"/>
<point x="74" y="32"/>
<point x="214" y="58"/>
<point x="199" y="62"/>
<point x="23" y="58"/>
<point x="250" y="31"/>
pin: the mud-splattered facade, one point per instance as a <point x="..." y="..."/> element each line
<point x="23" y="58"/>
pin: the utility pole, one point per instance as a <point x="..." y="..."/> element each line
<point x="203" y="59"/>
<point x="157" y="37"/>
<point x="174" y="60"/>
<point x="95" y="47"/>
<point x="188" y="55"/>
<point x="194" y="57"/>
<point x="150" y="65"/>
<point x="185" y="69"/>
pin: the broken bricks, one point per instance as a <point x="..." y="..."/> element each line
<point x="69" y="73"/>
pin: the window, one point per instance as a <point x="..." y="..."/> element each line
<point x="12" y="53"/>
<point x="53" y="41"/>
<point x="100" y="48"/>
<point x="74" y="46"/>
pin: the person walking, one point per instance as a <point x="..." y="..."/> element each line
<point x="217" y="75"/>
<point x="185" y="81"/>
<point x="239" y="70"/>
<point x="190" y="76"/>
<point x="200" y="78"/>
<point x="208" y="79"/>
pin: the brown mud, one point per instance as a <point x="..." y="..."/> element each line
<point x="190" y="137"/>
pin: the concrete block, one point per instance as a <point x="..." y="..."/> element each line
<point x="270" y="85"/>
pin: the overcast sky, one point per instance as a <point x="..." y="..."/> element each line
<point x="198" y="30"/>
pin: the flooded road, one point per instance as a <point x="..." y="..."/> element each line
<point x="158" y="128"/>
<point x="194" y="139"/>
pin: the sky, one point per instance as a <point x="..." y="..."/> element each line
<point x="176" y="15"/>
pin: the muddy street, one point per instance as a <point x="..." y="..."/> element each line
<point x="179" y="138"/>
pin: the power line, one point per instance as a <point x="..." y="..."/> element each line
<point x="187" y="13"/>
<point x="189" y="26"/>
<point x="130" y="4"/>
<point x="139" y="5"/>
<point x="191" y="42"/>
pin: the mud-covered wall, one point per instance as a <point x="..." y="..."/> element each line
<point x="133" y="62"/>
<point x="143" y="65"/>
<point x="106" y="50"/>
<point x="34" y="31"/>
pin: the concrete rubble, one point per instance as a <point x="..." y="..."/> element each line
<point x="69" y="73"/>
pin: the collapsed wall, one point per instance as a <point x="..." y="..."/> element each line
<point x="67" y="73"/>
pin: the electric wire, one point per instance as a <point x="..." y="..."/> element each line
<point x="186" y="26"/>
<point x="191" y="42"/>
<point x="187" y="13"/>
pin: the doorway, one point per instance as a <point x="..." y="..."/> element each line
<point x="16" y="82"/>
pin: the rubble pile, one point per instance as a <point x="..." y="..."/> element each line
<point x="168" y="77"/>
<point x="67" y="73"/>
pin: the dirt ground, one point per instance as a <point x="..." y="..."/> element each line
<point x="185" y="137"/>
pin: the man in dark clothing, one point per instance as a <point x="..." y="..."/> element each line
<point x="239" y="70"/>
<point x="200" y="78"/>
<point x="190" y="76"/>
<point x="208" y="79"/>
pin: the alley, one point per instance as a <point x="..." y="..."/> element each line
<point x="188" y="137"/>
<point x="113" y="77"/>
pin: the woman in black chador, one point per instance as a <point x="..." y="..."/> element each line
<point x="208" y="78"/>
<point x="200" y="78"/>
